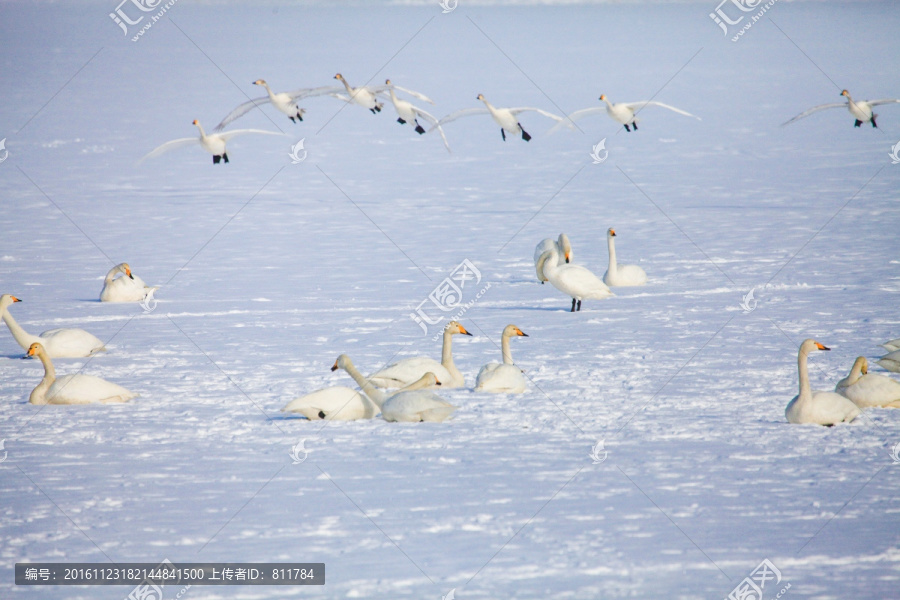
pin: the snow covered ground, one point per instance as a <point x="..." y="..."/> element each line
<point x="270" y="269"/>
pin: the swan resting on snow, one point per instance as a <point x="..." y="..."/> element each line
<point x="891" y="361"/>
<point x="415" y="403"/>
<point x="563" y="247"/>
<point x="58" y="343"/>
<point x="128" y="288"/>
<point x="73" y="389"/>
<point x="214" y="143"/>
<point x="621" y="275"/>
<point x="868" y="389"/>
<point x="575" y="281"/>
<point x="409" y="370"/>
<point x="339" y="403"/>
<point x="505" y="377"/>
<point x="819" y="408"/>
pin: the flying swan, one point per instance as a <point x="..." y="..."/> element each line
<point x="285" y="102"/>
<point x="622" y="112"/>
<point x="504" y="117"/>
<point x="58" y="343"/>
<point x="73" y="389"/>
<point x="820" y="408"/>
<point x="213" y="143"/>
<point x="860" y="109"/>
<point x="408" y="113"/>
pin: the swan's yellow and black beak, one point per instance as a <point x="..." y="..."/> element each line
<point x="436" y="382"/>
<point x="521" y="333"/>
<point x="14" y="299"/>
<point x="821" y="347"/>
<point x="335" y="367"/>
<point x="195" y="122"/>
<point x="32" y="350"/>
<point x="602" y="97"/>
<point x="612" y="232"/>
<point x="567" y="257"/>
<point x="865" y="370"/>
<point x="463" y="331"/>
<point x="128" y="271"/>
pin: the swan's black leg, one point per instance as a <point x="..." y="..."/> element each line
<point x="525" y="135"/>
<point x="627" y="128"/>
<point x="401" y="121"/>
<point x="503" y="133"/>
<point x="579" y="306"/>
<point x="216" y="159"/>
<point x="225" y="156"/>
<point x="858" y="123"/>
<point x="573" y="305"/>
<point x="419" y="129"/>
<point x="634" y="124"/>
<point x="873" y="121"/>
<point x="293" y="119"/>
<point x="299" y="115"/>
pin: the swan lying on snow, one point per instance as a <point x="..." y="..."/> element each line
<point x="339" y="403"/>
<point x="415" y="403"/>
<point x="621" y="275"/>
<point x="128" y="288"/>
<point x="73" y="389"/>
<point x="891" y="361"/>
<point x="409" y="370"/>
<point x="58" y="343"/>
<point x="505" y="377"/>
<point x="868" y="389"/>
<point x="820" y="408"/>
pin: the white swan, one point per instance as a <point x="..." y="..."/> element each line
<point x="868" y="389"/>
<point x="891" y="361"/>
<point x="820" y="408"/>
<point x="361" y="95"/>
<point x="621" y="112"/>
<point x="414" y="403"/>
<point x="59" y="343"/>
<point x="575" y="281"/>
<point x="563" y="247"/>
<point x="860" y="109"/>
<point x="213" y="143"/>
<point x="285" y="102"/>
<point x="409" y="370"/>
<point x="621" y="275"/>
<point x="505" y="377"/>
<point x="408" y="113"/>
<point x="73" y="389"/>
<point x="129" y="288"/>
<point x="339" y="403"/>
<point x="504" y="117"/>
<point x="891" y="345"/>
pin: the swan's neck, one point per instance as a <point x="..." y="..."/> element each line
<point x="547" y="265"/>
<point x="855" y="373"/>
<point x="609" y="104"/>
<point x="418" y="384"/>
<point x="805" y="391"/>
<point x="202" y="133"/>
<point x="110" y="275"/>
<point x="349" y="89"/>
<point x="393" y="96"/>
<point x="447" y="355"/>
<point x="490" y="107"/>
<point x="611" y="242"/>
<point x="39" y="393"/>
<point x="23" y="338"/>
<point x="269" y="91"/>
<point x="373" y="393"/>
<point x="504" y="347"/>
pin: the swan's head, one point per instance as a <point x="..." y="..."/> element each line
<point x="454" y="327"/>
<point x="259" y="82"/>
<point x="611" y="232"/>
<point x="809" y="345"/>
<point x="845" y="93"/>
<point x="196" y="122"/>
<point x="430" y="380"/>
<point x="511" y="330"/>
<point x="387" y="82"/>
<point x="339" y="77"/>
<point x="602" y="97"/>
<point x="480" y="97"/>
<point x="343" y="361"/>
<point x="863" y="365"/>
<point x="7" y="299"/>
<point x="35" y="349"/>
<point x="124" y="268"/>
<point x="566" y="246"/>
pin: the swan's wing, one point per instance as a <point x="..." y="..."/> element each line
<point x="378" y="89"/>
<point x="815" y="109"/>
<point x="432" y="120"/>
<point x="516" y="111"/>
<point x="882" y="101"/>
<point x="310" y="92"/>
<point x="578" y="114"/>
<point x="466" y="112"/>
<point x="227" y="135"/>
<point x="240" y="111"/>
<point x="636" y="106"/>
<point x="172" y="145"/>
